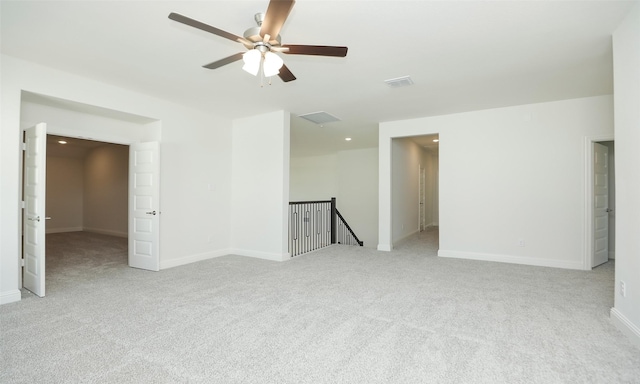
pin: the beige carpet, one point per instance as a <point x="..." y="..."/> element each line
<point x="340" y="315"/>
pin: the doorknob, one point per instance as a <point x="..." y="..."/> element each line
<point x="37" y="218"/>
<point x="609" y="210"/>
<point x="151" y="213"/>
<point x="47" y="218"/>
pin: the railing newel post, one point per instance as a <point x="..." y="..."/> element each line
<point x="334" y="221"/>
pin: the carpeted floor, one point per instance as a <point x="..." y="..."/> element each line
<point x="340" y="315"/>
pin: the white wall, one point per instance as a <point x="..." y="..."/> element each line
<point x="504" y="175"/>
<point x="65" y="194"/>
<point x="63" y="121"/>
<point x="430" y="159"/>
<point x="195" y="165"/>
<point x="260" y="186"/>
<point x="626" y="66"/>
<point x="106" y="190"/>
<point x="313" y="178"/>
<point x="406" y="158"/>
<point x="349" y="176"/>
<point x="357" y="198"/>
<point x="89" y="193"/>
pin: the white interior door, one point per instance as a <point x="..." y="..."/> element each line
<point x="601" y="204"/>
<point x="33" y="217"/>
<point x="144" y="206"/>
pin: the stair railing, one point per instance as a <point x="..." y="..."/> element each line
<point x="317" y="224"/>
<point x="345" y="233"/>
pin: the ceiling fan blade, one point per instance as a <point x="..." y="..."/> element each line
<point x="278" y="49"/>
<point x="318" y="50"/>
<point x="276" y="14"/>
<point x="205" y="27"/>
<point x="225" y="61"/>
<point x="286" y="75"/>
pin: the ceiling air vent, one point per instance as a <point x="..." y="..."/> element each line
<point x="399" y="82"/>
<point x="319" y="117"/>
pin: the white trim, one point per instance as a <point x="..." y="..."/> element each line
<point x="10" y="296"/>
<point x="261" y="255"/>
<point x="511" y="259"/>
<point x="95" y="136"/>
<point x="107" y="232"/>
<point x="63" y="230"/>
<point x="625" y="326"/>
<point x="193" y="258"/>
<point x="587" y="223"/>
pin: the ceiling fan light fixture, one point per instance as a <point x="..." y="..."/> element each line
<point x="272" y="64"/>
<point x="252" y="60"/>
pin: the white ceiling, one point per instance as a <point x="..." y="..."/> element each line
<point x="461" y="55"/>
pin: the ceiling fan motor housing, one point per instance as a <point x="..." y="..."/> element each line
<point x="253" y="35"/>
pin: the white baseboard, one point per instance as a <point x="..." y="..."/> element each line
<point x="192" y="259"/>
<point x="511" y="259"/>
<point x="63" y="230"/>
<point x="10" y="296"/>
<point x="260" y="255"/>
<point x="106" y="232"/>
<point x="625" y="326"/>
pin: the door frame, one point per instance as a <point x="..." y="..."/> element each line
<point x="422" y="198"/>
<point x="588" y="226"/>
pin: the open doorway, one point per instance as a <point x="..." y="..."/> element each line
<point x="599" y="197"/>
<point x="414" y="192"/>
<point x="87" y="207"/>
<point x="603" y="202"/>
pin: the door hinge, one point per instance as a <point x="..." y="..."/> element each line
<point x="24" y="146"/>
<point x="22" y="204"/>
<point x="22" y="262"/>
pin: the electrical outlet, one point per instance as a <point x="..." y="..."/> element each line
<point x="520" y="242"/>
<point x="623" y="289"/>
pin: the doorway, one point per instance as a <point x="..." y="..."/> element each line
<point x="603" y="202"/>
<point x="414" y="186"/>
<point x="86" y="210"/>
<point x="87" y="186"/>
<point x="599" y="201"/>
<point x="105" y="129"/>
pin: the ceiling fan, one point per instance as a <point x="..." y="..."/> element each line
<point x="263" y="42"/>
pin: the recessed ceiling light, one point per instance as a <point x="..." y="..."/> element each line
<point x="62" y="142"/>
<point x="435" y="140"/>
<point x="347" y="138"/>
